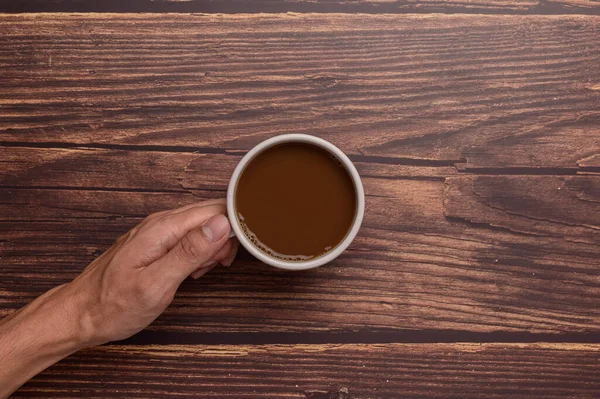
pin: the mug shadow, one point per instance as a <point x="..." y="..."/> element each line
<point x="249" y="275"/>
<point x="247" y="296"/>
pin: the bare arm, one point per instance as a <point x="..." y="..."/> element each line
<point x="36" y="337"/>
<point x="118" y="294"/>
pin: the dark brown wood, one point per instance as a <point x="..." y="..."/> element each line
<point x="496" y="90"/>
<point x="321" y="6"/>
<point x="410" y="268"/>
<point x="172" y="111"/>
<point x="325" y="372"/>
<point x="558" y="206"/>
<point x="157" y="171"/>
<point x="477" y="138"/>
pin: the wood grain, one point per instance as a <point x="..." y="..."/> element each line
<point x="321" y="6"/>
<point x="325" y="372"/>
<point x="477" y="137"/>
<point x="518" y="92"/>
<point x="107" y="118"/>
<point x="158" y="171"/>
<point x="560" y="206"/>
<point x="410" y="268"/>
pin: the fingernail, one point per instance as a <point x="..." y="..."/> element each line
<point x="201" y="271"/>
<point x="209" y="264"/>
<point x="197" y="274"/>
<point x="216" y="227"/>
<point x="227" y="262"/>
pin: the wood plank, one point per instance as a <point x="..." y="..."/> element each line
<point x="94" y="168"/>
<point x="410" y="267"/>
<point x="558" y="206"/>
<point x="328" y="6"/>
<point x="591" y="161"/>
<point x="529" y="150"/>
<point x="325" y="372"/>
<point x="519" y="91"/>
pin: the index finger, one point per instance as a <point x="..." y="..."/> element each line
<point x="187" y="207"/>
<point x="159" y="236"/>
<point x="176" y="225"/>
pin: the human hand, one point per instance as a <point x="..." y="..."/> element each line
<point x="119" y="293"/>
<point x="132" y="283"/>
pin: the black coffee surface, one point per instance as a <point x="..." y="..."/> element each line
<point x="295" y="201"/>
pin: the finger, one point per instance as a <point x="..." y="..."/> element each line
<point x="203" y="270"/>
<point x="157" y="216"/>
<point x="145" y="222"/>
<point x="173" y="227"/>
<point x="159" y="237"/>
<point x="235" y="244"/>
<point x="224" y="252"/>
<point x="198" y="205"/>
<point x="222" y="256"/>
<point x="186" y="207"/>
<point x="197" y="247"/>
<point x="193" y="217"/>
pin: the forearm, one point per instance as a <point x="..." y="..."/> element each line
<point x="37" y="336"/>
<point x="119" y="293"/>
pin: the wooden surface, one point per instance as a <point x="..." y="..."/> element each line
<point x="303" y="6"/>
<point x="477" y="270"/>
<point x="325" y="371"/>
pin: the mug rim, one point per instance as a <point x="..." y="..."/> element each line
<point x="296" y="138"/>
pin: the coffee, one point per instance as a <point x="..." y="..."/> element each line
<point x="295" y="201"/>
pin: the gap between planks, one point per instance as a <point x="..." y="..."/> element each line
<point x="150" y="337"/>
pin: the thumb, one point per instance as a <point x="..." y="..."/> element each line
<point x="196" y="248"/>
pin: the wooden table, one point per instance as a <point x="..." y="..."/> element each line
<point x="474" y="124"/>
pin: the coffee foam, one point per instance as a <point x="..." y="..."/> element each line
<point x="265" y="249"/>
<point x="337" y="160"/>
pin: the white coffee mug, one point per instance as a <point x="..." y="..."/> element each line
<point x="323" y="259"/>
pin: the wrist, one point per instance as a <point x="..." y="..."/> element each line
<point x="36" y="337"/>
<point x="72" y="311"/>
<point x="52" y="318"/>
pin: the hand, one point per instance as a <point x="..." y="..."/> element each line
<point x="132" y="283"/>
<point x="119" y="293"/>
